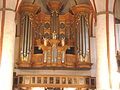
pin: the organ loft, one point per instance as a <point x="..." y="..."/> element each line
<point x="59" y="44"/>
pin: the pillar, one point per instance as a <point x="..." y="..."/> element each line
<point x="102" y="59"/>
<point x="7" y="37"/>
<point x="105" y="43"/>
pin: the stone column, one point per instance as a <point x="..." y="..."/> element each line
<point x="7" y="44"/>
<point x="102" y="57"/>
<point x="114" y="75"/>
<point x="105" y="42"/>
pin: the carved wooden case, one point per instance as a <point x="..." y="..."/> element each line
<point x="55" y="40"/>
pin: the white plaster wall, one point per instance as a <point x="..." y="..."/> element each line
<point x="102" y="73"/>
<point x="93" y="55"/>
<point x="52" y="72"/>
<point x="16" y="51"/>
<point x="113" y="61"/>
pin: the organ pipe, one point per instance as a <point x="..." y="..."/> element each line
<point x="54" y="53"/>
<point x="24" y="28"/>
<point x="63" y="56"/>
<point x="30" y="37"/>
<point x="87" y="38"/>
<point x="54" y="22"/>
<point x="85" y="35"/>
<point x="45" y="56"/>
<point x="78" y="38"/>
<point x="22" y="36"/>
<point x="82" y="37"/>
<point x="26" y="38"/>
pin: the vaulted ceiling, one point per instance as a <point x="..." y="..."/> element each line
<point x="67" y="4"/>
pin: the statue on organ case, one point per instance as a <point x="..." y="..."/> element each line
<point x="45" y="41"/>
<point x="54" y="35"/>
<point x="63" y="41"/>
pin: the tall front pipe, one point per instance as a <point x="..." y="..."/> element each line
<point x="54" y="7"/>
<point x="78" y="48"/>
<point x="83" y="37"/>
<point x="22" y="37"/>
<point x="80" y="31"/>
<point x="28" y="37"/>
<point x="25" y="36"/>
<point x="85" y="34"/>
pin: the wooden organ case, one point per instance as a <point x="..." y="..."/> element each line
<point x="55" y="40"/>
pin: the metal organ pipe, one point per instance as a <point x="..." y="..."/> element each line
<point x="78" y="41"/>
<point x="54" y="22"/>
<point x="63" y="56"/>
<point x="30" y="47"/>
<point x="22" y="36"/>
<point x="26" y="38"/>
<point x="45" y="56"/>
<point x="24" y="31"/>
<point x="83" y="37"/>
<point x="87" y="38"/>
<point x="54" y="53"/>
<point x="27" y="34"/>
<point x="80" y="34"/>
<point x="85" y="34"/>
<point x="57" y="23"/>
<point x="51" y="30"/>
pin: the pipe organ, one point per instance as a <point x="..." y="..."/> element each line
<point x="55" y="40"/>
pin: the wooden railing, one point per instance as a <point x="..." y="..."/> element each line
<point x="56" y="81"/>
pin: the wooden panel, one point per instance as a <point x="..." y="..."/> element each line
<point x="56" y="81"/>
